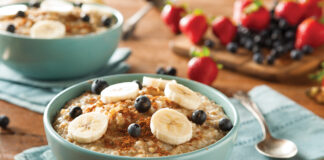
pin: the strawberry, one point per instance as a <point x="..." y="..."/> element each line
<point x="254" y="16"/>
<point x="291" y="11"/>
<point x="310" y="32"/>
<point x="239" y="6"/>
<point x="312" y="8"/>
<point x="202" y="68"/>
<point x="224" y="29"/>
<point x="194" y="26"/>
<point x="171" y="15"/>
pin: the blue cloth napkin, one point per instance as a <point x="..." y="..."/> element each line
<point x="35" y="94"/>
<point x="286" y="119"/>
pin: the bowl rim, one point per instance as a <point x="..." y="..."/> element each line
<point x="50" y="130"/>
<point x="117" y="13"/>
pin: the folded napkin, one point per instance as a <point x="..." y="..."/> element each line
<point x="286" y="119"/>
<point x="35" y="94"/>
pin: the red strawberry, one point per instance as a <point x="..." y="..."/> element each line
<point x="202" y="69"/>
<point x="171" y="15"/>
<point x="312" y="8"/>
<point x="254" y="16"/>
<point x="194" y="26"/>
<point x="224" y="29"/>
<point x="239" y="6"/>
<point x="310" y="32"/>
<point x="291" y="11"/>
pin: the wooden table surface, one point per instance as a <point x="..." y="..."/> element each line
<point x="150" y="50"/>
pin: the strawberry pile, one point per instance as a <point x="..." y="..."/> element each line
<point x="290" y="27"/>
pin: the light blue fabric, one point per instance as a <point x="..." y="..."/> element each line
<point x="35" y="94"/>
<point x="286" y="119"/>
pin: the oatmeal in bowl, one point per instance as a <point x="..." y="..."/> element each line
<point x="154" y="117"/>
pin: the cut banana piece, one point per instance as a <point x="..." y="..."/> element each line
<point x="92" y="8"/>
<point x="182" y="95"/>
<point x="12" y="9"/>
<point x="171" y="126"/>
<point x="56" y="6"/>
<point x="88" y="127"/>
<point x="156" y="82"/>
<point x="120" y="91"/>
<point x="47" y="29"/>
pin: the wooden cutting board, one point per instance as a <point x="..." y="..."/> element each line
<point x="284" y="69"/>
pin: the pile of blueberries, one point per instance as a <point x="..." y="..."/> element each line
<point x="279" y="38"/>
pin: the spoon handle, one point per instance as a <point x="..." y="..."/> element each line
<point x="246" y="101"/>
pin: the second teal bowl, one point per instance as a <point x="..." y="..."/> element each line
<point x="64" y="150"/>
<point x="62" y="58"/>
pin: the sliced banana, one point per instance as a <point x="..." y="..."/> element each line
<point x="88" y="127"/>
<point x="119" y="91"/>
<point x="182" y="95"/>
<point x="156" y="82"/>
<point x="92" y="8"/>
<point x="171" y="126"/>
<point x="56" y="6"/>
<point x="47" y="29"/>
<point x="12" y="9"/>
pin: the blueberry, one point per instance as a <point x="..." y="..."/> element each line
<point x="98" y="85"/>
<point x="161" y="70"/>
<point x="276" y="34"/>
<point x="142" y="104"/>
<point x="290" y="45"/>
<point x="140" y="86"/>
<point x="134" y="130"/>
<point x="85" y="18"/>
<point x="243" y="31"/>
<point x="307" y="49"/>
<point x="242" y="40"/>
<point x="271" y="59"/>
<point x="264" y="33"/>
<point x="232" y="47"/>
<point x="257" y="39"/>
<point x="11" y="28"/>
<point x="268" y="42"/>
<point x="258" y="58"/>
<point x="290" y="34"/>
<point x="106" y="21"/>
<point x="171" y="71"/>
<point x="280" y="49"/>
<point x="296" y="54"/>
<point x="21" y="14"/>
<point x="209" y="43"/>
<point x="78" y="4"/>
<point x="256" y="49"/>
<point x="4" y="121"/>
<point x="274" y="53"/>
<point x="275" y="44"/>
<point x="225" y="124"/>
<point x="75" y="112"/>
<point x="199" y="117"/>
<point x="248" y="44"/>
<point x="35" y="4"/>
<point x="283" y="24"/>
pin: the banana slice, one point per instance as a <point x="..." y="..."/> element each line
<point x="182" y="95"/>
<point x="88" y="127"/>
<point x="119" y="91"/>
<point x="56" y="6"/>
<point x="171" y="126"/>
<point x="12" y="10"/>
<point x="90" y="8"/>
<point x="47" y="29"/>
<point x="156" y="82"/>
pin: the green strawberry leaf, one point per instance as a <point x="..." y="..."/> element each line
<point x="319" y="75"/>
<point x="205" y="52"/>
<point x="220" y="66"/>
<point x="198" y="12"/>
<point x="253" y="7"/>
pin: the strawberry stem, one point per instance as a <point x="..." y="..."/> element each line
<point x="220" y="66"/>
<point x="198" y="12"/>
<point x="205" y="52"/>
<point x="321" y="20"/>
<point x="253" y="7"/>
<point x="319" y="75"/>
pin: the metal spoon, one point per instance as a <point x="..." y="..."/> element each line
<point x="269" y="146"/>
<point x="130" y="24"/>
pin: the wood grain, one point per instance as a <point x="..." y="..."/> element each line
<point x="150" y="50"/>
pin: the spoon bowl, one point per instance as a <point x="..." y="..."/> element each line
<point x="277" y="148"/>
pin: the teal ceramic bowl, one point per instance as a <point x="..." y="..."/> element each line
<point x="64" y="150"/>
<point x="62" y="58"/>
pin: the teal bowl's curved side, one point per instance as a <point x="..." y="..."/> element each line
<point x="63" y="149"/>
<point x="60" y="58"/>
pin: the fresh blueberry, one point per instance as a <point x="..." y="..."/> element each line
<point x="225" y="124"/>
<point x="248" y="44"/>
<point x="271" y="59"/>
<point x="134" y="130"/>
<point x="142" y="104"/>
<point x="98" y="85"/>
<point x="171" y="71"/>
<point x="289" y="34"/>
<point x="258" y="58"/>
<point x="275" y="44"/>
<point x="307" y="49"/>
<point x="106" y="21"/>
<point x="4" y="121"/>
<point x="268" y="42"/>
<point x="161" y="70"/>
<point x="140" y="86"/>
<point x="296" y="54"/>
<point x="264" y="33"/>
<point x="35" y="4"/>
<point x="199" y="117"/>
<point x="257" y="39"/>
<point x="209" y="43"/>
<point x="232" y="47"/>
<point x="21" y="14"/>
<point x="11" y="28"/>
<point x="85" y="18"/>
<point x="75" y="112"/>
<point x="242" y="41"/>
<point x="283" y="24"/>
<point x="280" y="49"/>
<point x="276" y="34"/>
<point x="274" y="53"/>
<point x="290" y="45"/>
<point x="78" y="4"/>
<point x="243" y="31"/>
<point x="256" y="49"/>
